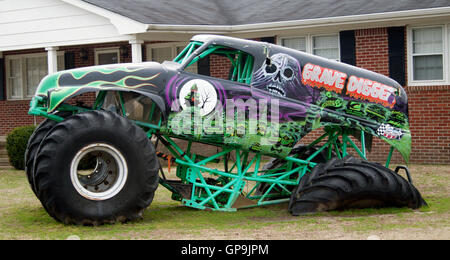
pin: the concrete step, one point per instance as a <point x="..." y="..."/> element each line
<point x="2" y="146"/>
<point x="4" y="160"/>
<point x="2" y="142"/>
<point x="4" y="164"/>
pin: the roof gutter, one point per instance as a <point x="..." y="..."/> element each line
<point x="361" y="20"/>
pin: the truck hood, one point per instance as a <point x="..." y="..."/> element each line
<point x="130" y="76"/>
<point x="145" y="78"/>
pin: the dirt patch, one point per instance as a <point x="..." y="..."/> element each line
<point x="332" y="232"/>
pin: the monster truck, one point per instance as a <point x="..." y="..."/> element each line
<point x="97" y="163"/>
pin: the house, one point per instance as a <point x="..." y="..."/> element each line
<point x="407" y="40"/>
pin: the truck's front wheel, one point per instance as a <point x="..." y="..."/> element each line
<point x="33" y="145"/>
<point x="94" y="168"/>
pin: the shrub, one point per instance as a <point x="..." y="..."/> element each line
<point x="16" y="144"/>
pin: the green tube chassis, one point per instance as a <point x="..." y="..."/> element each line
<point x="310" y="93"/>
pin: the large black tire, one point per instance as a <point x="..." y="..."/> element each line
<point x="33" y="144"/>
<point x="302" y="152"/>
<point x="352" y="183"/>
<point x="61" y="193"/>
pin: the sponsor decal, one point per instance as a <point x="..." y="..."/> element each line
<point x="198" y="93"/>
<point x="389" y="132"/>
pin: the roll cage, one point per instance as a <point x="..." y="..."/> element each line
<point x="242" y="61"/>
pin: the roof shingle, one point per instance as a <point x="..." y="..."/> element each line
<point x="241" y="12"/>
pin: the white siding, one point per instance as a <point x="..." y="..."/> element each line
<point x="28" y="24"/>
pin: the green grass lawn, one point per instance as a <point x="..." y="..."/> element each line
<point x="22" y="217"/>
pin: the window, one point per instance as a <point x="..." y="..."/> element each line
<point x="295" y="43"/>
<point x="36" y="69"/>
<point x="24" y="73"/>
<point x="161" y="54"/>
<point x="167" y="51"/>
<point x="326" y="46"/>
<point x="15" y="78"/>
<point x="107" y="56"/>
<point x="428" y="55"/>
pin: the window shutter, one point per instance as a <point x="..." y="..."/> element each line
<point x="397" y="54"/>
<point x="2" y="80"/>
<point x="69" y="60"/>
<point x="348" y="47"/>
<point x="268" y="39"/>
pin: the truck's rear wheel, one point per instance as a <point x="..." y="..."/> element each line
<point x="120" y="185"/>
<point x="352" y="183"/>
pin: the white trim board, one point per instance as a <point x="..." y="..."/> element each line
<point x="123" y="24"/>
<point x="54" y="23"/>
<point x="285" y="25"/>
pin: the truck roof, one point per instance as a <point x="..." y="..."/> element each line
<point x="225" y="40"/>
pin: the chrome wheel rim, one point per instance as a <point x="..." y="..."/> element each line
<point x="108" y="177"/>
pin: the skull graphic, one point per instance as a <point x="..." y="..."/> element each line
<point x="282" y="77"/>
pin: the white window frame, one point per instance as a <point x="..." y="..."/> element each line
<point x="99" y="51"/>
<point x="8" y="73"/>
<point x="309" y="41"/>
<point x="172" y="45"/>
<point x="24" y="82"/>
<point x="445" y="58"/>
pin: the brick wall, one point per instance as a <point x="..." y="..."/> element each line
<point x="372" y="51"/>
<point x="219" y="67"/>
<point x="14" y="114"/>
<point x="429" y="112"/>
